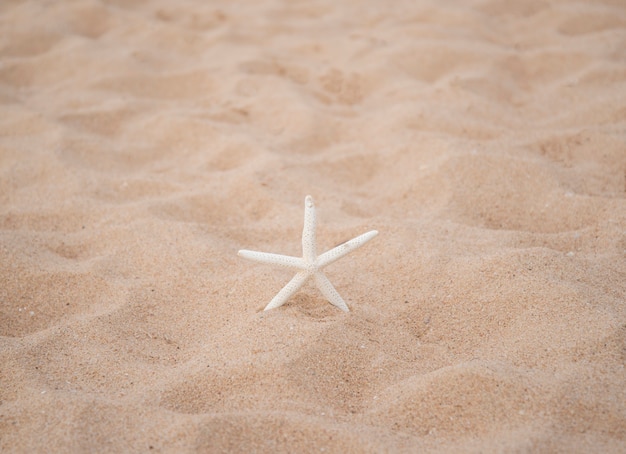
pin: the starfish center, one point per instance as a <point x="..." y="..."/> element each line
<point x="311" y="267"/>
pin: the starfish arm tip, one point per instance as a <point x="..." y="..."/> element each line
<point x="369" y="235"/>
<point x="336" y="253"/>
<point x="329" y="292"/>
<point x="288" y="290"/>
<point x="273" y="305"/>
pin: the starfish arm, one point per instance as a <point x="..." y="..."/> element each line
<point x="288" y="290"/>
<point x="330" y="292"/>
<point x="336" y="253"/>
<point x="274" y="259"/>
<point x="309" y="246"/>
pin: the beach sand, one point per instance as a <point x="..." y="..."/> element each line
<point x="143" y="143"/>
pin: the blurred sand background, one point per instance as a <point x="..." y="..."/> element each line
<point x="142" y="143"/>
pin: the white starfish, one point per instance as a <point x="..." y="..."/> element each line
<point x="310" y="264"/>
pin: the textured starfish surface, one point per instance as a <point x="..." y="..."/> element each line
<point x="310" y="264"/>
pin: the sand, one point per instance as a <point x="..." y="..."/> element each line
<point x="143" y="143"/>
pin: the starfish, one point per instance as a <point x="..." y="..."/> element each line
<point x="310" y="264"/>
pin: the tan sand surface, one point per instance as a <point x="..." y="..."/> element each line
<point x="143" y="143"/>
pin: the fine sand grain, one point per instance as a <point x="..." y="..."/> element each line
<point x="142" y="143"/>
